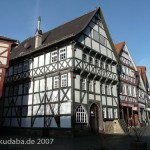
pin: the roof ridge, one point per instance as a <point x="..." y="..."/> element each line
<point x="72" y="20"/>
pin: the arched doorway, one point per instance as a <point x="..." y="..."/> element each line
<point x="94" y="118"/>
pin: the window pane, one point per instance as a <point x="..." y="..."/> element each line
<point x="62" y="54"/>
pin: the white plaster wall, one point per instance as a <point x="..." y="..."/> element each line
<point x="69" y="79"/>
<point x="7" y="122"/>
<point x="81" y="39"/>
<point x="41" y="60"/>
<point x="65" y="121"/>
<point x="77" y="96"/>
<point x="103" y="100"/>
<point x="35" y="64"/>
<point x="65" y="108"/>
<point x="36" y="86"/>
<point x="109" y="52"/>
<point x="69" y="51"/>
<point x="97" y="87"/>
<point x="78" y="53"/>
<point x="77" y="82"/>
<point x="95" y="45"/>
<point x="88" y="41"/>
<point x="103" y="50"/>
<point x="42" y="85"/>
<point x="31" y="87"/>
<point x="98" y="97"/>
<point x="18" y="102"/>
<point x="49" y="83"/>
<point x="39" y="122"/>
<point x="102" y="32"/>
<point x="85" y="99"/>
<point x="114" y="90"/>
<point x="14" y="122"/>
<point x="10" y="71"/>
<point x="26" y="122"/>
<point x="109" y="101"/>
<point x="47" y="59"/>
<point x="91" y="96"/>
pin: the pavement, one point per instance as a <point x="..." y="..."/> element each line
<point x="88" y="142"/>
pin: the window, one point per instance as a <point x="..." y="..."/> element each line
<point x="62" y="54"/>
<point x="53" y="56"/>
<point x="110" y="115"/>
<point x="25" y="66"/>
<point x="97" y="62"/>
<point x="80" y="115"/>
<point x="91" y="86"/>
<point x="10" y="91"/>
<point x="102" y="40"/>
<point x="16" y="90"/>
<point x="115" y="113"/>
<point x="26" y="88"/>
<point x="83" y="85"/>
<point x="108" y="90"/>
<point x="16" y="69"/>
<point x="20" y="68"/>
<point x="103" y="89"/>
<point x="90" y="60"/>
<point x="64" y="80"/>
<point x="104" y="112"/>
<point x="85" y="57"/>
<point x="56" y="82"/>
<point x="95" y="35"/>
<point x="102" y="65"/>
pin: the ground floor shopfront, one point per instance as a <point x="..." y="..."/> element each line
<point x="129" y="113"/>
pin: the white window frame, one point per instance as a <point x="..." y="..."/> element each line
<point x="80" y="115"/>
<point x="64" y="80"/>
<point x="54" y="56"/>
<point x="56" y="82"/>
<point x="62" y="54"/>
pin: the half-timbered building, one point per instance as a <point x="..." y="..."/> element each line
<point x="144" y="95"/>
<point x="128" y="82"/>
<point x="65" y="78"/>
<point x="6" y="44"/>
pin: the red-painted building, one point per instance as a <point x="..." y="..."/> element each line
<point x="6" y="44"/>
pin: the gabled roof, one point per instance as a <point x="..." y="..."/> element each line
<point x="142" y="71"/>
<point x="4" y="38"/>
<point x="119" y="47"/>
<point x="63" y="32"/>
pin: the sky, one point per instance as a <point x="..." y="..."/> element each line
<point x="127" y="20"/>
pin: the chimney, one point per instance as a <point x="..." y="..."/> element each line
<point x="38" y="34"/>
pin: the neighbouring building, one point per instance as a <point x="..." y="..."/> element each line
<point x="145" y="117"/>
<point x="128" y="81"/>
<point x="6" y="44"/>
<point x="64" y="79"/>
